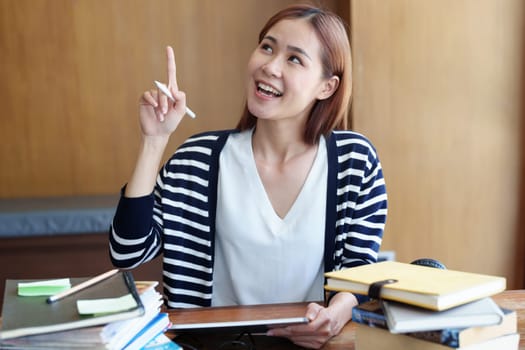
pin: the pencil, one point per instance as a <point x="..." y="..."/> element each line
<point x="165" y="91"/>
<point x="81" y="286"/>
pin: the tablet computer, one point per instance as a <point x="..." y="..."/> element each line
<point x="237" y="319"/>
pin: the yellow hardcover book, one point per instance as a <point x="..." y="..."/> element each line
<point x="431" y="288"/>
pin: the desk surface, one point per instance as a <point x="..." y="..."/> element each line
<point x="513" y="299"/>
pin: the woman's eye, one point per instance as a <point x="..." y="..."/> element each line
<point x="266" y="47"/>
<point x="295" y="59"/>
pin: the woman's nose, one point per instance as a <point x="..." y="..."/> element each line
<point x="273" y="67"/>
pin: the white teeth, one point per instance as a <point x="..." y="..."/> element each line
<point x="268" y="89"/>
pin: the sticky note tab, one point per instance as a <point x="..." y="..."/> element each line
<point x="40" y="288"/>
<point x="106" y="305"/>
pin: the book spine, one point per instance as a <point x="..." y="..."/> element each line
<point x="452" y="337"/>
<point x="369" y="318"/>
<point x="448" y="337"/>
<point x="375" y="318"/>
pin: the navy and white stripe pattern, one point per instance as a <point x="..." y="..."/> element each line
<point x="183" y="204"/>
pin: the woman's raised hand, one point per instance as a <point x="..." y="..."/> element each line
<point x="160" y="116"/>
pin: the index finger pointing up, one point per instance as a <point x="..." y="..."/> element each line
<point x="172" y="68"/>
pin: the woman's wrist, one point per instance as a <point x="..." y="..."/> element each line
<point x="149" y="158"/>
<point x="343" y="303"/>
<point x="154" y="143"/>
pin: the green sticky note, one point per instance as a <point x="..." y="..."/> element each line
<point x="40" y="288"/>
<point x="106" y="305"/>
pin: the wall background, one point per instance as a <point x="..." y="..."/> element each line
<point x="439" y="89"/>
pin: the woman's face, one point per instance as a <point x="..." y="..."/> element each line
<point x="285" y="75"/>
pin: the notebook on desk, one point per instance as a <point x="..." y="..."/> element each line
<point x="237" y="319"/>
<point x="30" y="315"/>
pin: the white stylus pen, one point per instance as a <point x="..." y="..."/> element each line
<point x="81" y="286"/>
<point x="167" y="92"/>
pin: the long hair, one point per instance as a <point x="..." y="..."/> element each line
<point x="331" y="113"/>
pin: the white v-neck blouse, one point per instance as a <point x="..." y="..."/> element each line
<point x="261" y="258"/>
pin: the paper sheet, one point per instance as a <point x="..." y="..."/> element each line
<point x="40" y="288"/>
<point x="106" y="305"/>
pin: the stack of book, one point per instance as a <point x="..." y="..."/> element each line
<point x="121" y="314"/>
<point x="424" y="308"/>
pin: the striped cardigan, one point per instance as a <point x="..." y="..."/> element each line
<point x="178" y="219"/>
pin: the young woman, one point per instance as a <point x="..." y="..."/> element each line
<point x="258" y="214"/>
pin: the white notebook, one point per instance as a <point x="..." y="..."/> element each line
<point x="403" y="318"/>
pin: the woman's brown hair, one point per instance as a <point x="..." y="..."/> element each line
<point x="331" y="113"/>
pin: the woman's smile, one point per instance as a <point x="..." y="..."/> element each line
<point x="268" y="90"/>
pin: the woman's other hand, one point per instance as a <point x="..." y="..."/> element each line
<point x="325" y="322"/>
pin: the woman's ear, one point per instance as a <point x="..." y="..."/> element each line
<point x="330" y="85"/>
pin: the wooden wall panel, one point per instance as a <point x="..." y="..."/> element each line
<point x="35" y="97"/>
<point x="438" y="89"/>
<point x="73" y="70"/>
